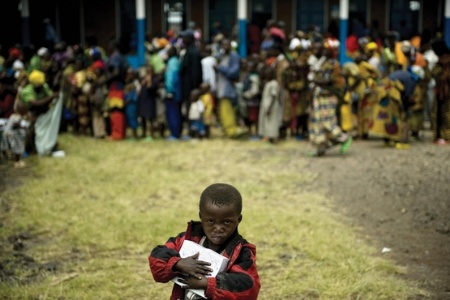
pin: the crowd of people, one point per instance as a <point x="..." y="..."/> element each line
<point x="289" y="87"/>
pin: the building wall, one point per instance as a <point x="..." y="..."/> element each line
<point x="100" y="17"/>
<point x="156" y="16"/>
<point x="38" y="12"/>
<point x="101" y="25"/>
<point x="433" y="15"/>
<point x="197" y="13"/>
<point x="13" y="34"/>
<point x="378" y="13"/>
<point x="284" y="13"/>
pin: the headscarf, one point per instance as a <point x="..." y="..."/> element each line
<point x="36" y="78"/>
<point x="371" y="46"/>
<point x="417" y="72"/>
<point x="15" y="52"/>
<point x="350" y="69"/>
<point x="277" y="33"/>
<point x="98" y="64"/>
<point x="42" y="51"/>
<point x="406" y="46"/>
<point x="352" y="43"/>
<point x="331" y="43"/>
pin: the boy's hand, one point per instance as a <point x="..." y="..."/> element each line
<point x="195" y="283"/>
<point x="193" y="267"/>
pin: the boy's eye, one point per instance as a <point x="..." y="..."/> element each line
<point x="210" y="221"/>
<point x="227" y="222"/>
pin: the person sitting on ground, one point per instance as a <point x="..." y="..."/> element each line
<point x="220" y="214"/>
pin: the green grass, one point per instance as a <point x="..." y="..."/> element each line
<point x="98" y="212"/>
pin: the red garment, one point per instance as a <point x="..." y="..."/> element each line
<point x="274" y="31"/>
<point x="6" y="105"/>
<point x="118" y="125"/>
<point x="253" y="113"/>
<point x="98" y="64"/>
<point x="239" y="281"/>
<point x="352" y="43"/>
<point x="254" y="35"/>
<point x="15" y="52"/>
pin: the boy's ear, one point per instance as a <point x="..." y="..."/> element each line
<point x="240" y="218"/>
<point x="200" y="214"/>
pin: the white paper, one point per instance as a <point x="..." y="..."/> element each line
<point x="218" y="262"/>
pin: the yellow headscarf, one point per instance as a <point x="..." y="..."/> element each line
<point x="36" y="78"/>
<point x="371" y="46"/>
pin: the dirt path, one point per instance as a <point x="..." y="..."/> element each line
<point x="400" y="199"/>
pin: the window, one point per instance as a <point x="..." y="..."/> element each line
<point x="261" y="11"/>
<point x="310" y="13"/>
<point x="175" y="15"/>
<point x="128" y="31"/>
<point x="405" y="17"/>
<point x="222" y="16"/>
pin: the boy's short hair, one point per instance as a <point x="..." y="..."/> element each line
<point x="195" y="93"/>
<point x="221" y="194"/>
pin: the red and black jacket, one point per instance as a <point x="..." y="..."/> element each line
<point x="240" y="280"/>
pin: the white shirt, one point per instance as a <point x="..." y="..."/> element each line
<point x="196" y="110"/>
<point x="208" y="72"/>
<point x="432" y="59"/>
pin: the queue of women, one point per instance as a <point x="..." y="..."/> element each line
<point x="289" y="87"/>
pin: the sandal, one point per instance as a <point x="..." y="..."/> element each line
<point x="346" y="145"/>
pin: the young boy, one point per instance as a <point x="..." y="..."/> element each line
<point x="196" y="110"/>
<point x="220" y="214"/>
<point x="252" y="96"/>
<point x="269" y="113"/>
<point x="14" y="135"/>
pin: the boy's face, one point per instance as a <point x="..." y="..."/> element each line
<point x="219" y="223"/>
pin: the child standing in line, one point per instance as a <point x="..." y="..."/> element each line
<point x="196" y="110"/>
<point x="130" y="95"/>
<point x="208" y="103"/>
<point x="14" y="134"/>
<point x="99" y="105"/>
<point x="269" y="121"/>
<point x="220" y="214"/>
<point x="252" y="96"/>
<point x="147" y="102"/>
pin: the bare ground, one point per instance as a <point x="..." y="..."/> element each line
<point x="399" y="199"/>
